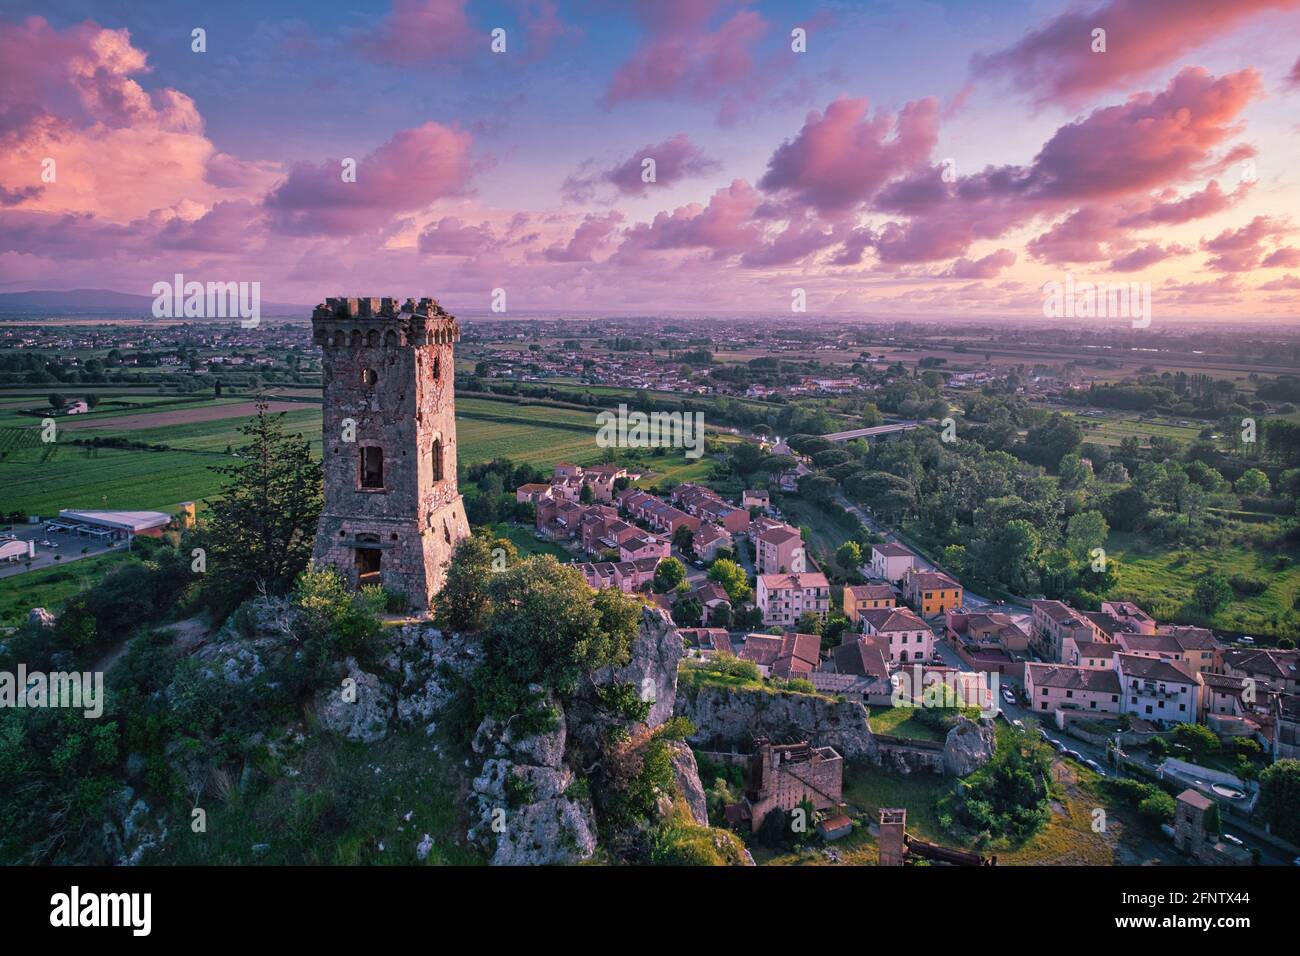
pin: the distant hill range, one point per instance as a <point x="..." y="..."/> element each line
<point x="108" y="302"/>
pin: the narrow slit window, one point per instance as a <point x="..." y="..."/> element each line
<point x="437" y="459"/>
<point x="372" y="467"/>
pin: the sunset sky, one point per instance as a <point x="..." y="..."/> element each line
<point x="920" y="159"/>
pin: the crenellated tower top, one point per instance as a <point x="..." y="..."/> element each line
<point x="382" y="323"/>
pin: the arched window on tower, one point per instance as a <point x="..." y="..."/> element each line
<point x="437" y="366"/>
<point x="437" y="459"/>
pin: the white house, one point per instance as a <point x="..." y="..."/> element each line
<point x="784" y="597"/>
<point x="1161" y="691"/>
<point x="891" y="561"/>
<point x="910" y="638"/>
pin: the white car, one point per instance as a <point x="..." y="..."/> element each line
<point x="1235" y="841"/>
<point x="1009" y="697"/>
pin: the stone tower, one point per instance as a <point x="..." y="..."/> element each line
<point x="892" y="842"/>
<point x="392" y="511"/>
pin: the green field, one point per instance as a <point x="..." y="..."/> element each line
<point x="50" y="587"/>
<point x="1115" y="428"/>
<point x="1161" y="577"/>
<point x="40" y="479"/>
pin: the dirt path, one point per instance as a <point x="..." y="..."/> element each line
<point x="180" y="416"/>
<point x="187" y="634"/>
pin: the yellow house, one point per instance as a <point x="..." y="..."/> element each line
<point x="866" y="597"/>
<point x="931" y="592"/>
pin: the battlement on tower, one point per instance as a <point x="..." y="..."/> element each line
<point x="374" y="322"/>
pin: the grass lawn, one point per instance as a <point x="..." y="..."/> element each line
<point x="903" y="722"/>
<point x="1161" y="579"/>
<point x="528" y="544"/>
<point x="50" y="587"/>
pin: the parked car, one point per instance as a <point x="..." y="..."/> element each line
<point x="1246" y="640"/>
<point x="1074" y="755"/>
<point x="1018" y="724"/>
<point x="1009" y="697"/>
<point x="1234" y="840"/>
<point x="1042" y="733"/>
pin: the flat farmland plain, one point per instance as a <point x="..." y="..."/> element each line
<point x="40" y="479"/>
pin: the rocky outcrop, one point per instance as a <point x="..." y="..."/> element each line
<point x="686" y="774"/>
<point x="968" y="746"/>
<point x="909" y="758"/>
<point x="426" y="669"/>
<point x="652" y="665"/>
<point x="525" y="814"/>
<point x="131" y="832"/>
<point x="40" y="617"/>
<point x="724" y="716"/>
<point x="358" y="709"/>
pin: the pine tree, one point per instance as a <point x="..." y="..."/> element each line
<point x="259" y="532"/>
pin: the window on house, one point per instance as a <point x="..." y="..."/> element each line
<point x="372" y="467"/>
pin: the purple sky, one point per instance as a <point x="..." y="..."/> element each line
<point x="916" y="158"/>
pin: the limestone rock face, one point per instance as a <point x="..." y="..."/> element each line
<point x="651" y="670"/>
<point x="131" y="832"/>
<point x="425" y="666"/>
<point x="40" y="617"/>
<point x="687" y="775"/>
<point x="723" y="716"/>
<point x="520" y="800"/>
<point x="968" y="746"/>
<point x="652" y="667"/>
<point x="365" y="718"/>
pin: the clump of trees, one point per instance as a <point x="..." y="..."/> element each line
<point x="538" y="623"/>
<point x="1008" y="795"/>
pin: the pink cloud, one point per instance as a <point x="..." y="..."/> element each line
<point x="725" y="226"/>
<point x="1293" y="78"/>
<point x="1094" y="171"/>
<point x="407" y="173"/>
<point x="74" y="96"/>
<point x="592" y="235"/>
<point x="449" y="236"/>
<point x="683" y="57"/>
<point x="1055" y="62"/>
<point x="988" y="267"/>
<point x="1239" y="250"/>
<point x="676" y="158"/>
<point x="1145" y="256"/>
<point x="1209" y="201"/>
<point x="1284" y="258"/>
<point x="418" y="31"/>
<point x="842" y="158"/>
